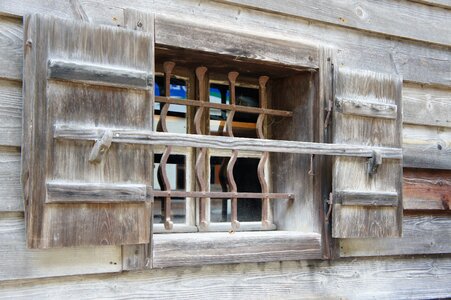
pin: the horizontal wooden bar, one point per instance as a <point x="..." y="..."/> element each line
<point x="366" y="198"/>
<point x="366" y="108"/>
<point x="231" y="107"/>
<point x="98" y="74"/>
<point x="68" y="192"/>
<point x="220" y="195"/>
<point x="221" y="142"/>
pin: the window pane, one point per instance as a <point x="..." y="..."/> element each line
<point x="245" y="174"/>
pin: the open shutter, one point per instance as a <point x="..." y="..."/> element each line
<point x="367" y="192"/>
<point x="95" y="77"/>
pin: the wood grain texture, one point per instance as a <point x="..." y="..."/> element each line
<point x="296" y="94"/>
<point x="427" y="147"/>
<point x="356" y="278"/>
<point x="11" y="48"/>
<point x="416" y="62"/>
<point x="10" y="188"/>
<point x="10" y="113"/>
<point x="426" y="106"/>
<point x="366" y="198"/>
<point x="427" y="189"/>
<point x="51" y="102"/>
<point x="18" y="262"/>
<point x="351" y="174"/>
<point x="385" y="17"/>
<point x="188" y="249"/>
<point x="422" y="234"/>
<point x="439" y="3"/>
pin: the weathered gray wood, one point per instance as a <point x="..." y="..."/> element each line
<point x="366" y="198"/>
<point x="366" y="108"/>
<point x="416" y="62"/>
<point x="69" y="192"/>
<point x="427" y="147"/>
<point x="188" y="249"/>
<point x="11" y="48"/>
<point x="426" y="106"/>
<point x="50" y="102"/>
<point x="351" y="174"/>
<point x="99" y="74"/>
<point x="18" y="262"/>
<point x="380" y="17"/>
<point x="439" y="3"/>
<point x="10" y="188"/>
<point x="10" y="113"/>
<point x="427" y="189"/>
<point x="354" y="278"/>
<point x="422" y="234"/>
<point x="66" y="132"/>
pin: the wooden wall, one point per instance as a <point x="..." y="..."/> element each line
<point x="411" y="38"/>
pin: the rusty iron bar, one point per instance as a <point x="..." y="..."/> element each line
<point x="219" y="195"/>
<point x="162" y="172"/>
<point x="222" y="106"/>
<point x="263" y="99"/>
<point x="201" y="157"/>
<point x="232" y="76"/>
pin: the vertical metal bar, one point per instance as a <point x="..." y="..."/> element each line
<point x="232" y="76"/>
<point x="200" y="161"/>
<point x="162" y="172"/>
<point x="264" y="158"/>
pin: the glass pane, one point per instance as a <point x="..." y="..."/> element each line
<point x="176" y="171"/>
<point x="245" y="174"/>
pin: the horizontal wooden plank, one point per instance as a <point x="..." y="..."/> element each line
<point x="422" y="234"/>
<point x="353" y="278"/>
<point x="384" y="16"/>
<point x="366" y="198"/>
<point x="416" y="62"/>
<point x="99" y="74"/>
<point x="71" y="192"/>
<point x="254" y="45"/>
<point x="11" y="49"/>
<point x="439" y="3"/>
<point x="11" y="198"/>
<point x="427" y="147"/>
<point x="427" y="189"/>
<point x="18" y="262"/>
<point x="187" y="249"/>
<point x="426" y="106"/>
<point x="366" y="108"/>
<point x="10" y="112"/>
<point x="220" y="142"/>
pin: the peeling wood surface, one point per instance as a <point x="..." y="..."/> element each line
<point x="393" y="18"/>
<point x="427" y="147"/>
<point x="422" y="234"/>
<point x="357" y="278"/>
<point x="427" y="189"/>
<point x="414" y="61"/>
<point x="426" y="106"/>
<point x="18" y="262"/>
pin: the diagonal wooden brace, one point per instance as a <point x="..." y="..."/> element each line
<point x="101" y="147"/>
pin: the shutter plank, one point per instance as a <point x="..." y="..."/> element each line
<point x="367" y="205"/>
<point x="82" y="53"/>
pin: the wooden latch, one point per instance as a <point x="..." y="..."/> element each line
<point x="100" y="147"/>
<point x="374" y="162"/>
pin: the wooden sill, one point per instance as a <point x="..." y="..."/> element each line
<point x="191" y="249"/>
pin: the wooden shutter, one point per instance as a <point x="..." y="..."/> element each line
<point x="95" y="77"/>
<point x="367" y="193"/>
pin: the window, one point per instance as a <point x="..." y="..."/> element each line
<point x="103" y="163"/>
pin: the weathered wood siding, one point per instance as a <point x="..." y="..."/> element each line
<point x="409" y="38"/>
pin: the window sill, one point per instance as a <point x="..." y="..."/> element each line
<point x="191" y="249"/>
